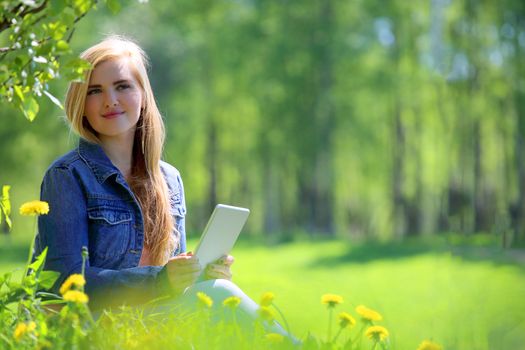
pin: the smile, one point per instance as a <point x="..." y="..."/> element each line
<point x="112" y="115"/>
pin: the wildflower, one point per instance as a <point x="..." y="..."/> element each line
<point x="75" y="279"/>
<point x="22" y="329"/>
<point x="346" y="320"/>
<point x="231" y="302"/>
<point x="274" y="338"/>
<point x="76" y="296"/>
<point x="34" y="208"/>
<point x="204" y="299"/>
<point x="265" y="313"/>
<point x="377" y="333"/>
<point x="428" y="345"/>
<point x="368" y="314"/>
<point x="331" y="300"/>
<point x="267" y="299"/>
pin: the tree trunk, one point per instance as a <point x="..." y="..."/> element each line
<point x="397" y="173"/>
<point x="518" y="208"/>
<point x="323" y="169"/>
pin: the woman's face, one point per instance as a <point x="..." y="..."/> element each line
<point x="114" y="99"/>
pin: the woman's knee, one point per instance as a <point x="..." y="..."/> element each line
<point x="217" y="289"/>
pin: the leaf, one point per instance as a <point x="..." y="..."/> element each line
<point x="82" y="6"/>
<point x="113" y="5"/>
<point x="47" y="295"/>
<point x="53" y="301"/>
<point x="6" y="203"/>
<point x="62" y="46"/>
<point x="30" y="108"/>
<point x="54" y="99"/>
<point x="47" y="279"/>
<point x="5" y="206"/>
<point x="8" y="222"/>
<point x="39" y="261"/>
<point x="74" y="69"/>
<point x="57" y="6"/>
<point x="19" y="93"/>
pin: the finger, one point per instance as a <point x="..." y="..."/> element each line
<point x="183" y="259"/>
<point x="177" y="269"/>
<point x="224" y="274"/>
<point x="226" y="260"/>
<point x="219" y="271"/>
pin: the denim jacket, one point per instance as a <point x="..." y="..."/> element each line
<point x="92" y="205"/>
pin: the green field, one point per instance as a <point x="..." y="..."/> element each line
<point x="460" y="300"/>
<point x="468" y="298"/>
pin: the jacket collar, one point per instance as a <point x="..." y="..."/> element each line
<point x="97" y="160"/>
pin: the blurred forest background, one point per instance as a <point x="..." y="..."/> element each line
<point x="362" y="119"/>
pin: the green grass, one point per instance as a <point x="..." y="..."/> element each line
<point x="460" y="301"/>
<point x="466" y="298"/>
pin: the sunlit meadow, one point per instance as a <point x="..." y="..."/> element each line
<point x="328" y="294"/>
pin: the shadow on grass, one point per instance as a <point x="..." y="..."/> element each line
<point x="371" y="251"/>
<point x="375" y="251"/>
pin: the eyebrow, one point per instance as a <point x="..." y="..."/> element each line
<point x="114" y="83"/>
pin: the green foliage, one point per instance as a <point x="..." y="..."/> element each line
<point x="5" y="206"/>
<point x="421" y="291"/>
<point x="348" y="117"/>
<point x="36" y="36"/>
<point x="61" y="324"/>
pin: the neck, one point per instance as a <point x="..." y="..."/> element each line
<point x="119" y="150"/>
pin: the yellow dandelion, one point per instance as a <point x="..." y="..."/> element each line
<point x="20" y="330"/>
<point x="23" y="328"/>
<point x="232" y="302"/>
<point x="204" y="299"/>
<point x="331" y="300"/>
<point x="274" y="338"/>
<point x="377" y="333"/>
<point x="34" y="208"/>
<point x="265" y="313"/>
<point x="368" y="314"/>
<point x="76" y="296"/>
<point x="428" y="345"/>
<point x="267" y="299"/>
<point x="346" y="320"/>
<point x="76" y="280"/>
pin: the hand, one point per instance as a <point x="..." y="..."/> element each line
<point x="220" y="269"/>
<point x="183" y="271"/>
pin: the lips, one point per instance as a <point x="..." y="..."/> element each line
<point x="112" y="114"/>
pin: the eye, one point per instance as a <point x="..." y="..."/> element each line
<point x="123" y="86"/>
<point x="93" y="91"/>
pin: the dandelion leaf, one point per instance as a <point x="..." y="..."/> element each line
<point x="47" y="279"/>
<point x="38" y="264"/>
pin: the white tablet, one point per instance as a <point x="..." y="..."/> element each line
<point x="220" y="233"/>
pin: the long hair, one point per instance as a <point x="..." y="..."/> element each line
<point x="147" y="181"/>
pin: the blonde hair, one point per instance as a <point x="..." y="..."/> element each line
<point x="147" y="181"/>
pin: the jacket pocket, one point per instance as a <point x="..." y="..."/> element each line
<point x="110" y="230"/>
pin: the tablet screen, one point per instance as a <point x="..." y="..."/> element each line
<point x="220" y="233"/>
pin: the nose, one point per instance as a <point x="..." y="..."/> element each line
<point x="111" y="99"/>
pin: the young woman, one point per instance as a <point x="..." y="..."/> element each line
<point x="114" y="195"/>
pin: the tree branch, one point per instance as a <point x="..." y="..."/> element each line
<point x="25" y="11"/>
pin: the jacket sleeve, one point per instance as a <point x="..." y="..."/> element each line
<point x="65" y="231"/>
<point x="180" y="217"/>
<point x="177" y="203"/>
